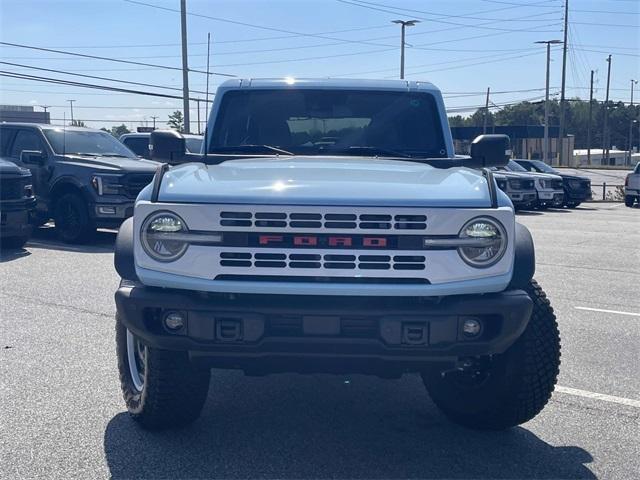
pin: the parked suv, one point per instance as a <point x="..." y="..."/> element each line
<point x="17" y="202"/>
<point x="549" y="188"/>
<point x="577" y="189"/>
<point x="379" y="251"/>
<point x="83" y="178"/>
<point x="632" y="187"/>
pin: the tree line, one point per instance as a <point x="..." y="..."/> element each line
<point x="576" y="116"/>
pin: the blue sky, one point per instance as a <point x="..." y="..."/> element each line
<point x="463" y="46"/>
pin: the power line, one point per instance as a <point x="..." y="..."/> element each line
<point x="96" y="77"/>
<point x="109" y="59"/>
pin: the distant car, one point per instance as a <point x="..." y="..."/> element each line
<point x="16" y="204"/>
<point x="549" y="187"/>
<point x="632" y="187"/>
<point x="139" y="143"/>
<point x="577" y="189"/>
<point x="518" y="187"/>
<point x="82" y="178"/>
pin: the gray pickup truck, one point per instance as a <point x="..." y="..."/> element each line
<point x="82" y="178"/>
<point x="632" y="187"/>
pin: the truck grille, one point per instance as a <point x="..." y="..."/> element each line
<point x="135" y="182"/>
<point x="321" y="261"/>
<point x="302" y="220"/>
<point x="521" y="184"/>
<point x="557" y="184"/>
<point x="13" y="188"/>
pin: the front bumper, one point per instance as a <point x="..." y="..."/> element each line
<point x="111" y="214"/>
<point x="15" y="217"/>
<point x="550" y="197"/>
<point x="256" y="332"/>
<point x="581" y="195"/>
<point x="521" y="199"/>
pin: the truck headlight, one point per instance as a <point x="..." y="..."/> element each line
<point x="163" y="236"/>
<point x="483" y="242"/>
<point x="107" y="184"/>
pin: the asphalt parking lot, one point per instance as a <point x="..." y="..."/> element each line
<point x="62" y="416"/>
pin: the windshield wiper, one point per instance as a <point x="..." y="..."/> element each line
<point x="114" y="155"/>
<point x="376" y="151"/>
<point x="251" y="148"/>
<point x="84" y="154"/>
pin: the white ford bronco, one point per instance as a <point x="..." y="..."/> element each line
<point x="328" y="226"/>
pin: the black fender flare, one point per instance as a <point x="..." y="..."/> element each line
<point x="524" y="263"/>
<point x="123" y="259"/>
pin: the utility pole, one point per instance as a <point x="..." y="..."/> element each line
<point x="605" y="133"/>
<point x="486" y="112"/>
<point x="154" y="121"/>
<point x="198" y="104"/>
<point x="589" y="124"/>
<point x="71" y="103"/>
<point x="633" y="82"/>
<point x="44" y="107"/>
<point x="545" y="155"/>
<point x="185" y="65"/>
<point x="403" y="24"/>
<point x="564" y="78"/>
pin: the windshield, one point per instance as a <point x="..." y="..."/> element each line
<point x="89" y="142"/>
<point x="515" y="167"/>
<point x="193" y="144"/>
<point x="311" y="122"/>
<point x="542" y="167"/>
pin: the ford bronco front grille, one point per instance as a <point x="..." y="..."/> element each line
<point x="261" y="260"/>
<point x="319" y="221"/>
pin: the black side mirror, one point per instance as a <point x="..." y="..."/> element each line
<point x="32" y="157"/>
<point x="489" y="151"/>
<point x="166" y="146"/>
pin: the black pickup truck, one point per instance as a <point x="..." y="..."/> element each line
<point x="82" y="178"/>
<point x="16" y="205"/>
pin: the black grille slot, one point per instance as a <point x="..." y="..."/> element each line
<point x="235" y="263"/>
<point x="375" y="218"/>
<point x="375" y="226"/>
<point x="236" y="255"/>
<point x="270" y="256"/>
<point x="235" y="214"/>
<point x="410" y="218"/>
<point x="408" y="266"/>
<point x="374" y="266"/>
<point x="340" y="225"/>
<point x="374" y="258"/>
<point x="339" y="265"/>
<point x="271" y="223"/>
<point x="304" y="264"/>
<point x="236" y="223"/>
<point x="304" y="256"/>
<point x="269" y="264"/>
<point x="339" y="258"/>
<point x="408" y="258"/>
<point x="271" y="216"/>
<point x="340" y="216"/>
<point x="410" y="226"/>
<point x="305" y="216"/>
<point x="304" y="224"/>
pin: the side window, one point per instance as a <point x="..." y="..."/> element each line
<point x="637" y="168"/>
<point x="25" y="140"/>
<point x="527" y="166"/>
<point x="139" y="146"/>
<point x="6" y="135"/>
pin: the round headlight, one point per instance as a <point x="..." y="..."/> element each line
<point x="486" y="242"/>
<point x="161" y="236"/>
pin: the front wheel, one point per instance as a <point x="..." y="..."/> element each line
<point x="161" y="388"/>
<point x="505" y="390"/>
<point x="72" y="220"/>
<point x="629" y="200"/>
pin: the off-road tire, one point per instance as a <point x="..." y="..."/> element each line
<point x="174" y="391"/>
<point x="519" y="383"/>
<point x="629" y="200"/>
<point x="72" y="220"/>
<point x="13" y="243"/>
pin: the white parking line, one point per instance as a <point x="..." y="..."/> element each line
<point x="598" y="396"/>
<point x="607" y="311"/>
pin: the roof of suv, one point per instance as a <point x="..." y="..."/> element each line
<point x="330" y="83"/>
<point x="48" y="126"/>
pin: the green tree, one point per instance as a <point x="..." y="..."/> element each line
<point x="176" y="121"/>
<point x="118" y="130"/>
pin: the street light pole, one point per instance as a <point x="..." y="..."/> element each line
<point x="633" y="82"/>
<point x="71" y="103"/>
<point x="403" y="24"/>
<point x="545" y="155"/>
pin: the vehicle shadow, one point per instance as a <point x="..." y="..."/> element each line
<point x="322" y="426"/>
<point x="10" y="254"/>
<point x="46" y="237"/>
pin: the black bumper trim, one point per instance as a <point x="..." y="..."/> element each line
<point x="261" y="319"/>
